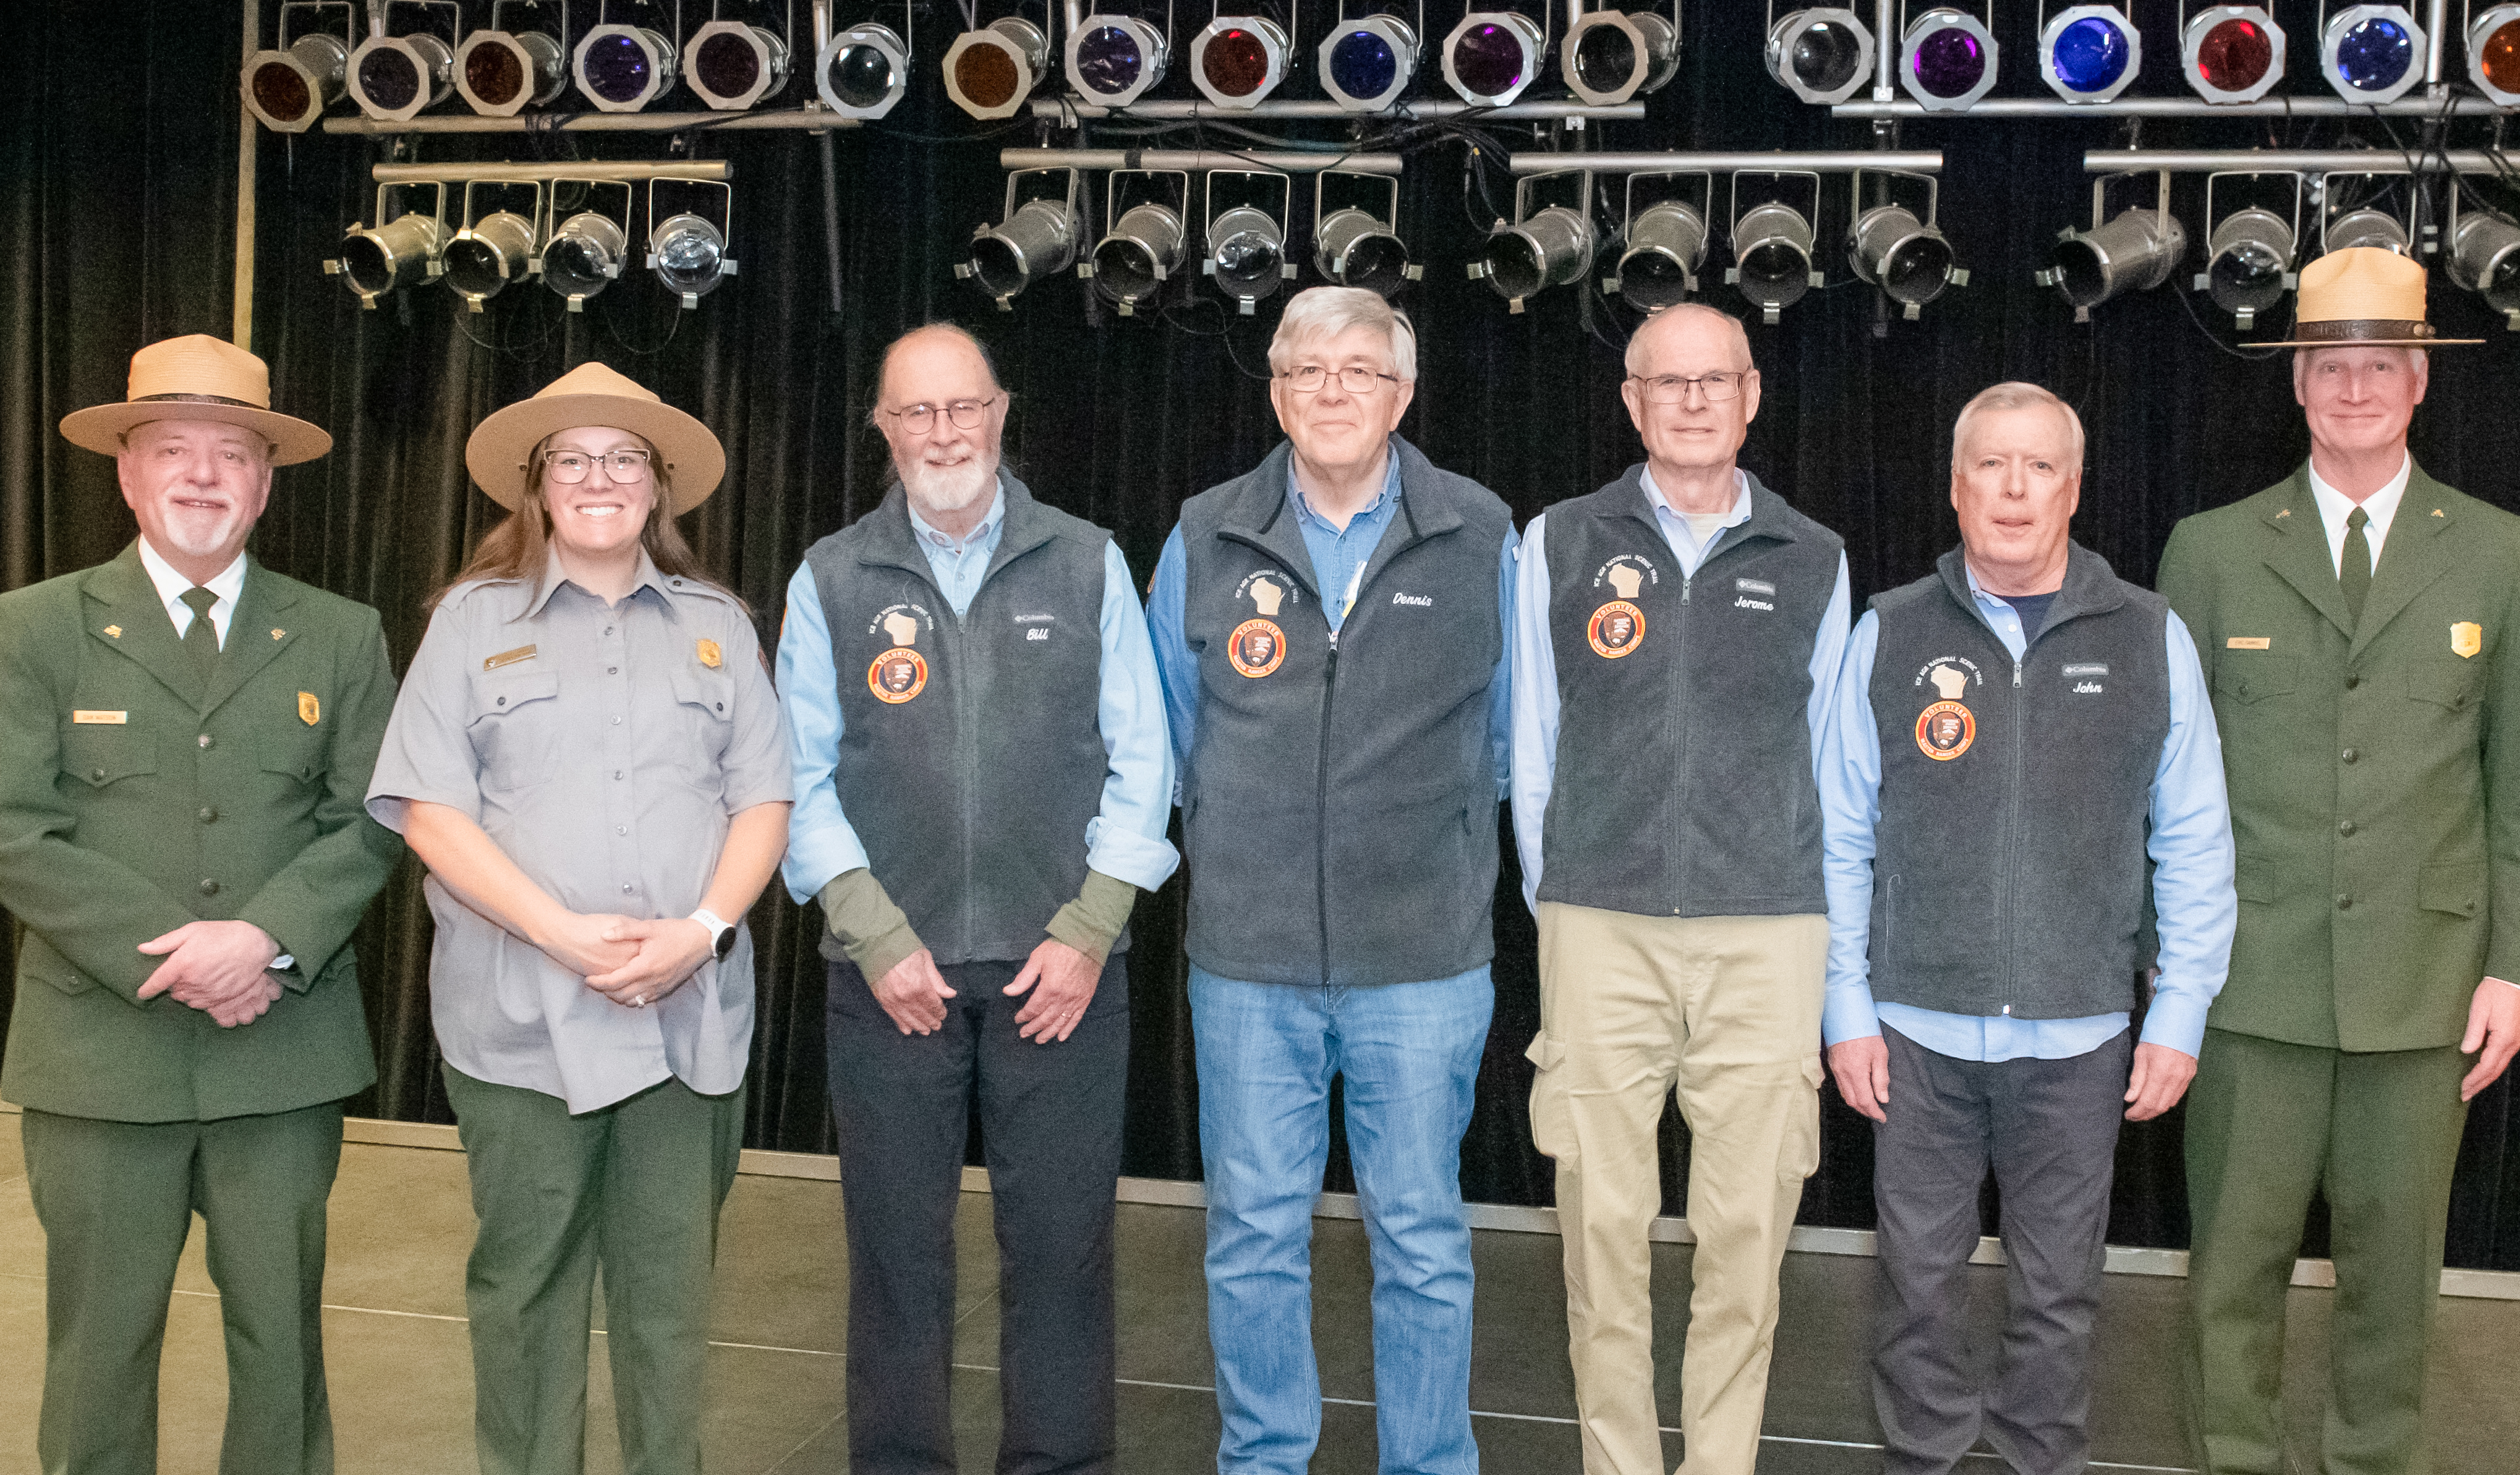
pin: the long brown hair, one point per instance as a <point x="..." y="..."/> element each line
<point x="518" y="549"/>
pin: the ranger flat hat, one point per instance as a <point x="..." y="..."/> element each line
<point x="196" y="376"/>
<point x="592" y="394"/>
<point x="2362" y="296"/>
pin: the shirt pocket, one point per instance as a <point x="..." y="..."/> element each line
<point x="706" y="703"/>
<point x="516" y="727"/>
<point x="100" y="755"/>
<point x="2255" y="676"/>
<point x="2452" y="687"/>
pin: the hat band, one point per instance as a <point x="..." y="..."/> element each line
<point x="197" y="399"/>
<point x="2360" y="329"/>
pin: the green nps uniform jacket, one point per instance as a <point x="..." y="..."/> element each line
<point x="2374" y="770"/>
<point x="132" y="802"/>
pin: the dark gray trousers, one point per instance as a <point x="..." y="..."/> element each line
<point x="2050" y="1130"/>
<point x="1050" y="1120"/>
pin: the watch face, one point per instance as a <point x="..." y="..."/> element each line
<point x="725" y="941"/>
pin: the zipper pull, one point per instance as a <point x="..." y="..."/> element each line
<point x="1685" y="581"/>
<point x="2016" y="671"/>
<point x="1334" y="645"/>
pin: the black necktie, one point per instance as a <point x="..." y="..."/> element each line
<point x="2354" y="568"/>
<point x="202" y="638"/>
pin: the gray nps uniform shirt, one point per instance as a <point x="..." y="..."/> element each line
<point x="605" y="752"/>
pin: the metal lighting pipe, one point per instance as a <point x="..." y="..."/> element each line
<point x="1184" y="108"/>
<point x="2156" y="106"/>
<point x="1842" y="160"/>
<point x="2437" y="46"/>
<point x="1195" y="160"/>
<point x="241" y="322"/>
<point x="2273" y="161"/>
<point x="1885" y="51"/>
<point x="808" y="118"/>
<point x="704" y="170"/>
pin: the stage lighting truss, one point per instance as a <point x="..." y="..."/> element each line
<point x="1143" y="245"/>
<point x="395" y="78"/>
<point x="1115" y="60"/>
<point x="1036" y="236"/>
<point x="1493" y="54"/>
<point x="1238" y="60"/>
<point x="2232" y="52"/>
<point x="584" y="253"/>
<point x="498" y="244"/>
<point x="1820" y="53"/>
<point x="289" y="87"/>
<point x="2373" y="53"/>
<point x="1613" y="56"/>
<point x="990" y="71"/>
<point x="2251" y="248"/>
<point x="1890" y="246"/>
<point x="1772" y="245"/>
<point x="2135" y="252"/>
<point x="1662" y="241"/>
<point x="863" y="70"/>
<point x="687" y="250"/>
<point x="622" y="69"/>
<point x="734" y="64"/>
<point x="2089" y="52"/>
<point x="2493" y="52"/>
<point x="1946" y="60"/>
<point x="1355" y="240"/>
<point x="399" y="251"/>
<point x="1366" y="62"/>
<point x="1247" y="240"/>
<point x="1550" y="246"/>
<point x="2485" y="258"/>
<point x="502" y="72"/>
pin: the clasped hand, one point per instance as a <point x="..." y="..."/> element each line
<point x="628" y="961"/>
<point x="220" y="967"/>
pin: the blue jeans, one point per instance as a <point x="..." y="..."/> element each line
<point x="1408" y="1055"/>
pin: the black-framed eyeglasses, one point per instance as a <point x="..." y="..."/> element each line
<point x="1673" y="388"/>
<point x="965" y="414"/>
<point x="1355" y="378"/>
<point x="570" y="467"/>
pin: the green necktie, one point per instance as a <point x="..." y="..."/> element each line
<point x="202" y="638"/>
<point x="2354" y="568"/>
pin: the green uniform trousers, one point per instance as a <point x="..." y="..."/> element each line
<point x="117" y="1201"/>
<point x="634" y="1188"/>
<point x="2378" y="1132"/>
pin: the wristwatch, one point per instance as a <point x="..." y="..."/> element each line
<point x="721" y="932"/>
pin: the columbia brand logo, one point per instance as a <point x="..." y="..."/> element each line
<point x="1422" y="601"/>
<point x="1755" y="586"/>
<point x="2086" y="668"/>
<point x="1035" y="619"/>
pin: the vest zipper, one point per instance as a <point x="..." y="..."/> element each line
<point x="1672" y="860"/>
<point x="1321" y="808"/>
<point x="2012" y="838"/>
<point x="967" y="744"/>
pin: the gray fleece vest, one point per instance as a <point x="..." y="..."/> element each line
<point x="1340" y="800"/>
<point x="1683" y="784"/>
<point x="970" y="754"/>
<point x="2008" y="866"/>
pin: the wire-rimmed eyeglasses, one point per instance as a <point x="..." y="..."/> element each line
<point x="570" y="467"/>
<point x="1355" y="378"/>
<point x="1673" y="388"/>
<point x="965" y="414"/>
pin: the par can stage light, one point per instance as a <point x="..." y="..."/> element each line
<point x="1355" y="241"/>
<point x="2485" y="258"/>
<point x="863" y="72"/>
<point x="1823" y="54"/>
<point x="687" y="255"/>
<point x="1611" y="56"/>
<point x="2134" y="252"/>
<point x="1368" y="62"/>
<point x="1246" y="254"/>
<point x="1908" y="258"/>
<point x="488" y="254"/>
<point x="1946" y="60"/>
<point x="289" y="89"/>
<point x="1115" y="60"/>
<point x="990" y="71"/>
<point x="2232" y="52"/>
<point x="1666" y="246"/>
<point x="502" y="72"/>
<point x="393" y="78"/>
<point x="2373" y="53"/>
<point x="584" y="256"/>
<point x="2089" y="52"/>
<point x="2248" y="265"/>
<point x="1139" y="256"/>
<point x="1035" y="240"/>
<point x="2366" y="226"/>
<point x="735" y="65"/>
<point x="1238" y="60"/>
<point x="1538" y="248"/>
<point x="1493" y="54"/>
<point x="398" y="253"/>
<point x="2493" y="52"/>
<point x="1772" y="258"/>
<point x="622" y="69"/>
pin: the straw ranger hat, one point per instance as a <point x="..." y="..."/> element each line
<point x="592" y="394"/>
<point x="197" y="378"/>
<point x="2362" y="296"/>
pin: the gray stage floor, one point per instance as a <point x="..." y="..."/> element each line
<point x="402" y="1395"/>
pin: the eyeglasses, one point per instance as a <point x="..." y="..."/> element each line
<point x="1355" y="378"/>
<point x="570" y="467"/>
<point x="966" y="415"/>
<point x="1673" y="388"/>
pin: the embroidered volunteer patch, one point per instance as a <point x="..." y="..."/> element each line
<point x="1945" y="731"/>
<point x="1256" y="647"/>
<point x="1616" y="629"/>
<point x="897" y="675"/>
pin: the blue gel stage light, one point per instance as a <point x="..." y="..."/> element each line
<point x="1115" y="60"/>
<point x="1367" y="63"/>
<point x="2089" y="52"/>
<point x="2373" y="53"/>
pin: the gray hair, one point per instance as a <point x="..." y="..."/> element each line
<point x="988" y="361"/>
<point x="1680" y="312"/>
<point x="1325" y="312"/>
<point x="2016" y="396"/>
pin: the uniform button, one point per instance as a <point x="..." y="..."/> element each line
<point x="721" y="706"/>
<point x="625" y="888"/>
<point x="612" y="670"/>
<point x="208" y="814"/>
<point x="2348" y="755"/>
<point x="503" y="701"/>
<point x="607" y="629"/>
<point x="617" y="722"/>
<point x="2344" y="904"/>
<point x="2007" y="1008"/>
<point x="620" y="772"/>
<point x="620" y="830"/>
<point x="96" y="775"/>
<point x="2344" y="827"/>
<point x="209" y="887"/>
<point x="2352" y="682"/>
<point x="203" y="740"/>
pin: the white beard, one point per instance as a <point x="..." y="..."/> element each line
<point x="949" y="488"/>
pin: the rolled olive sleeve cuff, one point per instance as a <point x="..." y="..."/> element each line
<point x="1092" y="921"/>
<point x="872" y="930"/>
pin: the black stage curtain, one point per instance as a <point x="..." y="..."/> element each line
<point x="115" y="229"/>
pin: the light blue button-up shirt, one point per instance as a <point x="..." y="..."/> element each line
<point x="1124" y="840"/>
<point x="1535" y="662"/>
<point x="2190" y="847"/>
